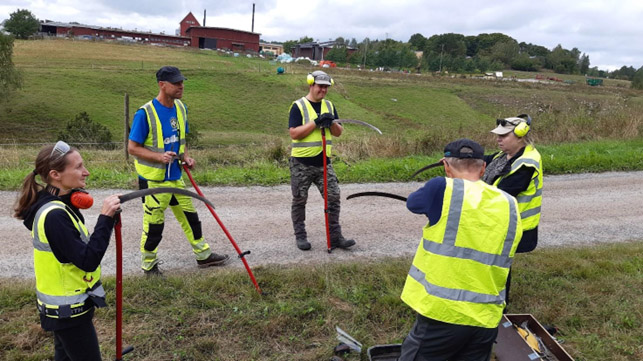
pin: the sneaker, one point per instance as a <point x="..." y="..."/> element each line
<point x="303" y="244"/>
<point x="213" y="260"/>
<point x="154" y="271"/>
<point x="341" y="242"/>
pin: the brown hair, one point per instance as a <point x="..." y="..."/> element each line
<point x="30" y="188"/>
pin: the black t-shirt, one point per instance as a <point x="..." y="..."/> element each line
<point x="295" y="119"/>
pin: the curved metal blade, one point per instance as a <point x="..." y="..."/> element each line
<point x="355" y="121"/>
<point x="433" y="165"/>
<point x="146" y="192"/>
<point x="377" y="194"/>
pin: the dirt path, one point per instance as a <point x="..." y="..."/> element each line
<point x="577" y="209"/>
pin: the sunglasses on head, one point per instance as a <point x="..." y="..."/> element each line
<point x="60" y="149"/>
<point x="505" y="122"/>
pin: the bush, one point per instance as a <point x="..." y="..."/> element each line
<point x="83" y="132"/>
<point x="193" y="137"/>
<point x="10" y="78"/>
<point x="637" y="81"/>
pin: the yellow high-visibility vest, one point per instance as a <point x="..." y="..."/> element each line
<point x="62" y="289"/>
<point x="311" y="145"/>
<point x="460" y="269"/>
<point x="529" y="200"/>
<point x="154" y="141"/>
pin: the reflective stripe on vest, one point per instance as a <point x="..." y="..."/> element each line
<point x="529" y="200"/>
<point x="311" y="145"/>
<point x="61" y="289"/>
<point x="154" y="141"/>
<point x="460" y="269"/>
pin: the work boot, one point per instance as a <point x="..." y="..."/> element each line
<point x="341" y="242"/>
<point x="153" y="272"/>
<point x="213" y="260"/>
<point x="303" y="244"/>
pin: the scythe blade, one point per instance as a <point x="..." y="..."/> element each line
<point x="433" y="165"/>
<point x="355" y="121"/>
<point x="377" y="194"/>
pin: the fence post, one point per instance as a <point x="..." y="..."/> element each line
<point x="126" y="128"/>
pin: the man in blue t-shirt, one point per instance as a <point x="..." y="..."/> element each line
<point x="158" y="165"/>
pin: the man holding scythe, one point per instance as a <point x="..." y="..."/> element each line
<point x="310" y="117"/>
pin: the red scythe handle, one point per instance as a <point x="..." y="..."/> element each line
<point x="323" y="133"/>
<point x="225" y="230"/>
<point x="119" y="289"/>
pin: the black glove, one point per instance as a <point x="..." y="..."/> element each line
<point x="324" y="120"/>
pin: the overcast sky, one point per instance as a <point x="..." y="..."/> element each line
<point x="610" y="32"/>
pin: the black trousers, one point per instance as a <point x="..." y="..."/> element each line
<point x="432" y="340"/>
<point x="78" y="343"/>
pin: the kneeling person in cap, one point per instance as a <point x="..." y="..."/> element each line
<point x="457" y="280"/>
<point x="307" y="116"/>
<point x="157" y="160"/>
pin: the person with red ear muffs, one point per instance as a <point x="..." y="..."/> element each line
<point x="66" y="257"/>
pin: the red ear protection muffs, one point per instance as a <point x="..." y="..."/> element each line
<point x="81" y="199"/>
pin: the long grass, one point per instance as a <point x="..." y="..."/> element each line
<point x="267" y="163"/>
<point x="594" y="296"/>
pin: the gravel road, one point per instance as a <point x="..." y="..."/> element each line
<point x="577" y="209"/>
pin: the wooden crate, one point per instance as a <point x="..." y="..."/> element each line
<point x="510" y="346"/>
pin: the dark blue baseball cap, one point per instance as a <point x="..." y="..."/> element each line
<point x="464" y="148"/>
<point x="170" y="74"/>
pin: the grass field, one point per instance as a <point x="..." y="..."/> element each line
<point x="594" y="296"/>
<point x="244" y="101"/>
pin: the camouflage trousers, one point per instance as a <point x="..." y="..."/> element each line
<point x="301" y="178"/>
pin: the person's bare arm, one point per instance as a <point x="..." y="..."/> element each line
<point x="302" y="131"/>
<point x="137" y="150"/>
<point x="336" y="129"/>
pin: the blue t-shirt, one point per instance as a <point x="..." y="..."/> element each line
<point x="428" y="200"/>
<point x="171" y="138"/>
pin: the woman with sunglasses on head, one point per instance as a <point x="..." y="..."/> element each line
<point x="66" y="257"/>
<point x="517" y="169"/>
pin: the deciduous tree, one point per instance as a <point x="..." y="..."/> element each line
<point x="22" y="24"/>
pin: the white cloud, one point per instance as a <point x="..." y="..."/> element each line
<point x="609" y="32"/>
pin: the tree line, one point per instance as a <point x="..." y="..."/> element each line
<point x="464" y="54"/>
<point x="444" y="52"/>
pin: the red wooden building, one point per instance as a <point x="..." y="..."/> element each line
<point x="188" y="21"/>
<point x="191" y="34"/>
<point x="222" y="38"/>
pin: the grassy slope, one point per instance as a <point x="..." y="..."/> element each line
<point x="593" y="295"/>
<point x="240" y="105"/>
<point x="239" y="99"/>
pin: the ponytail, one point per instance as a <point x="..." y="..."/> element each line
<point x="28" y="195"/>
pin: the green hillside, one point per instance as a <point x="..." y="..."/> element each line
<point x="240" y="99"/>
<point x="239" y="108"/>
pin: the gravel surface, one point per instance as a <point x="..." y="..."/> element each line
<point x="577" y="209"/>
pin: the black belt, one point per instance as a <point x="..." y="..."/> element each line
<point x="65" y="311"/>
